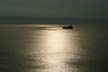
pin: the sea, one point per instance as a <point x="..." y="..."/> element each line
<point x="50" y="48"/>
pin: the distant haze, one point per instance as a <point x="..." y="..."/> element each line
<point x="55" y="8"/>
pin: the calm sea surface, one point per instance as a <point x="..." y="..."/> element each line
<point x="49" y="48"/>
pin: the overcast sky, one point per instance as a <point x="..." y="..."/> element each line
<point x="55" y="8"/>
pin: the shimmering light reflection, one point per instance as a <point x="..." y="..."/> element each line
<point x="54" y="49"/>
<point x="55" y="41"/>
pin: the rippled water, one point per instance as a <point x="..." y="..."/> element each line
<point x="53" y="49"/>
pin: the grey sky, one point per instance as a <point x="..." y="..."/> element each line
<point x="55" y="8"/>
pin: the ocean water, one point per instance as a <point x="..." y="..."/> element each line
<point x="49" y="48"/>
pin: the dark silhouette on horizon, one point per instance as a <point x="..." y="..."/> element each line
<point x="67" y="27"/>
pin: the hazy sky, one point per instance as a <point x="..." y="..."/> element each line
<point x="55" y="8"/>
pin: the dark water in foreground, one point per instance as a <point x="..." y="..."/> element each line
<point x="52" y="49"/>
